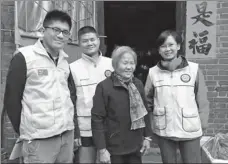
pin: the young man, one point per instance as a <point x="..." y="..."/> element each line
<point x="87" y="72"/>
<point x="40" y="93"/>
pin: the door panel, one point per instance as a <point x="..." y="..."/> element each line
<point x="181" y="22"/>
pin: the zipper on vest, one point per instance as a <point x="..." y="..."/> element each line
<point x="171" y="75"/>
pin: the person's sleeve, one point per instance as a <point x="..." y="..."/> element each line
<point x="73" y="96"/>
<point x="201" y="99"/>
<point x="15" y="84"/>
<point x="149" y="92"/>
<point x="147" y="130"/>
<point x="98" y="118"/>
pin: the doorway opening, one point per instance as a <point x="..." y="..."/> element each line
<point x="138" y="24"/>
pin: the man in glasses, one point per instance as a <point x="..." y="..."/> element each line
<point x="40" y="95"/>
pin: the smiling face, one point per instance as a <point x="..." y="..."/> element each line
<point x="90" y="43"/>
<point x="52" y="40"/>
<point x="169" y="49"/>
<point x="126" y="66"/>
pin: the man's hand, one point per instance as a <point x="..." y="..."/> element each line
<point x="104" y="156"/>
<point x="77" y="142"/>
<point x="145" y="147"/>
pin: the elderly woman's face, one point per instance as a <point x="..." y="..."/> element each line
<point x="126" y="66"/>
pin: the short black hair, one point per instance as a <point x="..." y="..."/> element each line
<point x="165" y="34"/>
<point x="85" y="30"/>
<point x="57" y="15"/>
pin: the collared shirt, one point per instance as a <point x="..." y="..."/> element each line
<point x="92" y="60"/>
<point x="55" y="59"/>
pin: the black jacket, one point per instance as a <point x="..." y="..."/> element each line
<point x="111" y="120"/>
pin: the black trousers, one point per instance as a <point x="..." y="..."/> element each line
<point x="134" y="157"/>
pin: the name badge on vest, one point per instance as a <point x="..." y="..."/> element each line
<point x="42" y="72"/>
<point x="185" y="78"/>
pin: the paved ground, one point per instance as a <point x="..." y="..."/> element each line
<point x="153" y="156"/>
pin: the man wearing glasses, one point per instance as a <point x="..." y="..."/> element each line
<point x="40" y="95"/>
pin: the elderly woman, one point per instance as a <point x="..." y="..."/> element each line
<point x="120" y="120"/>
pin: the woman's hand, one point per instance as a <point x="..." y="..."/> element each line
<point x="104" y="156"/>
<point x="145" y="146"/>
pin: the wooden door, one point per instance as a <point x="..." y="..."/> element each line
<point x="181" y="22"/>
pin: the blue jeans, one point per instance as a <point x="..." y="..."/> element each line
<point x="189" y="150"/>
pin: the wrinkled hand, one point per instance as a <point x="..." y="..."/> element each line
<point x="145" y="147"/>
<point x="104" y="156"/>
<point x="77" y="142"/>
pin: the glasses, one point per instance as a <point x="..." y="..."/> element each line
<point x="57" y="31"/>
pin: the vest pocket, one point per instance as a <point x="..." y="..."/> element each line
<point x="159" y="118"/>
<point x="190" y="120"/>
<point x="43" y="115"/>
<point x="114" y="138"/>
<point x="30" y="148"/>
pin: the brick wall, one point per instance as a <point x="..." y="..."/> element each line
<point x="7" y="48"/>
<point x="216" y="75"/>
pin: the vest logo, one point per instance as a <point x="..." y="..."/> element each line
<point x="185" y="78"/>
<point x="108" y="73"/>
<point x="42" y="72"/>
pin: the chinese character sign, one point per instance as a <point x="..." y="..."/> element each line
<point x="201" y="29"/>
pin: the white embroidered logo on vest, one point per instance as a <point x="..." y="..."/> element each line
<point x="185" y="78"/>
<point x="107" y="73"/>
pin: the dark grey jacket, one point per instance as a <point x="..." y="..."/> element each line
<point x="111" y="120"/>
